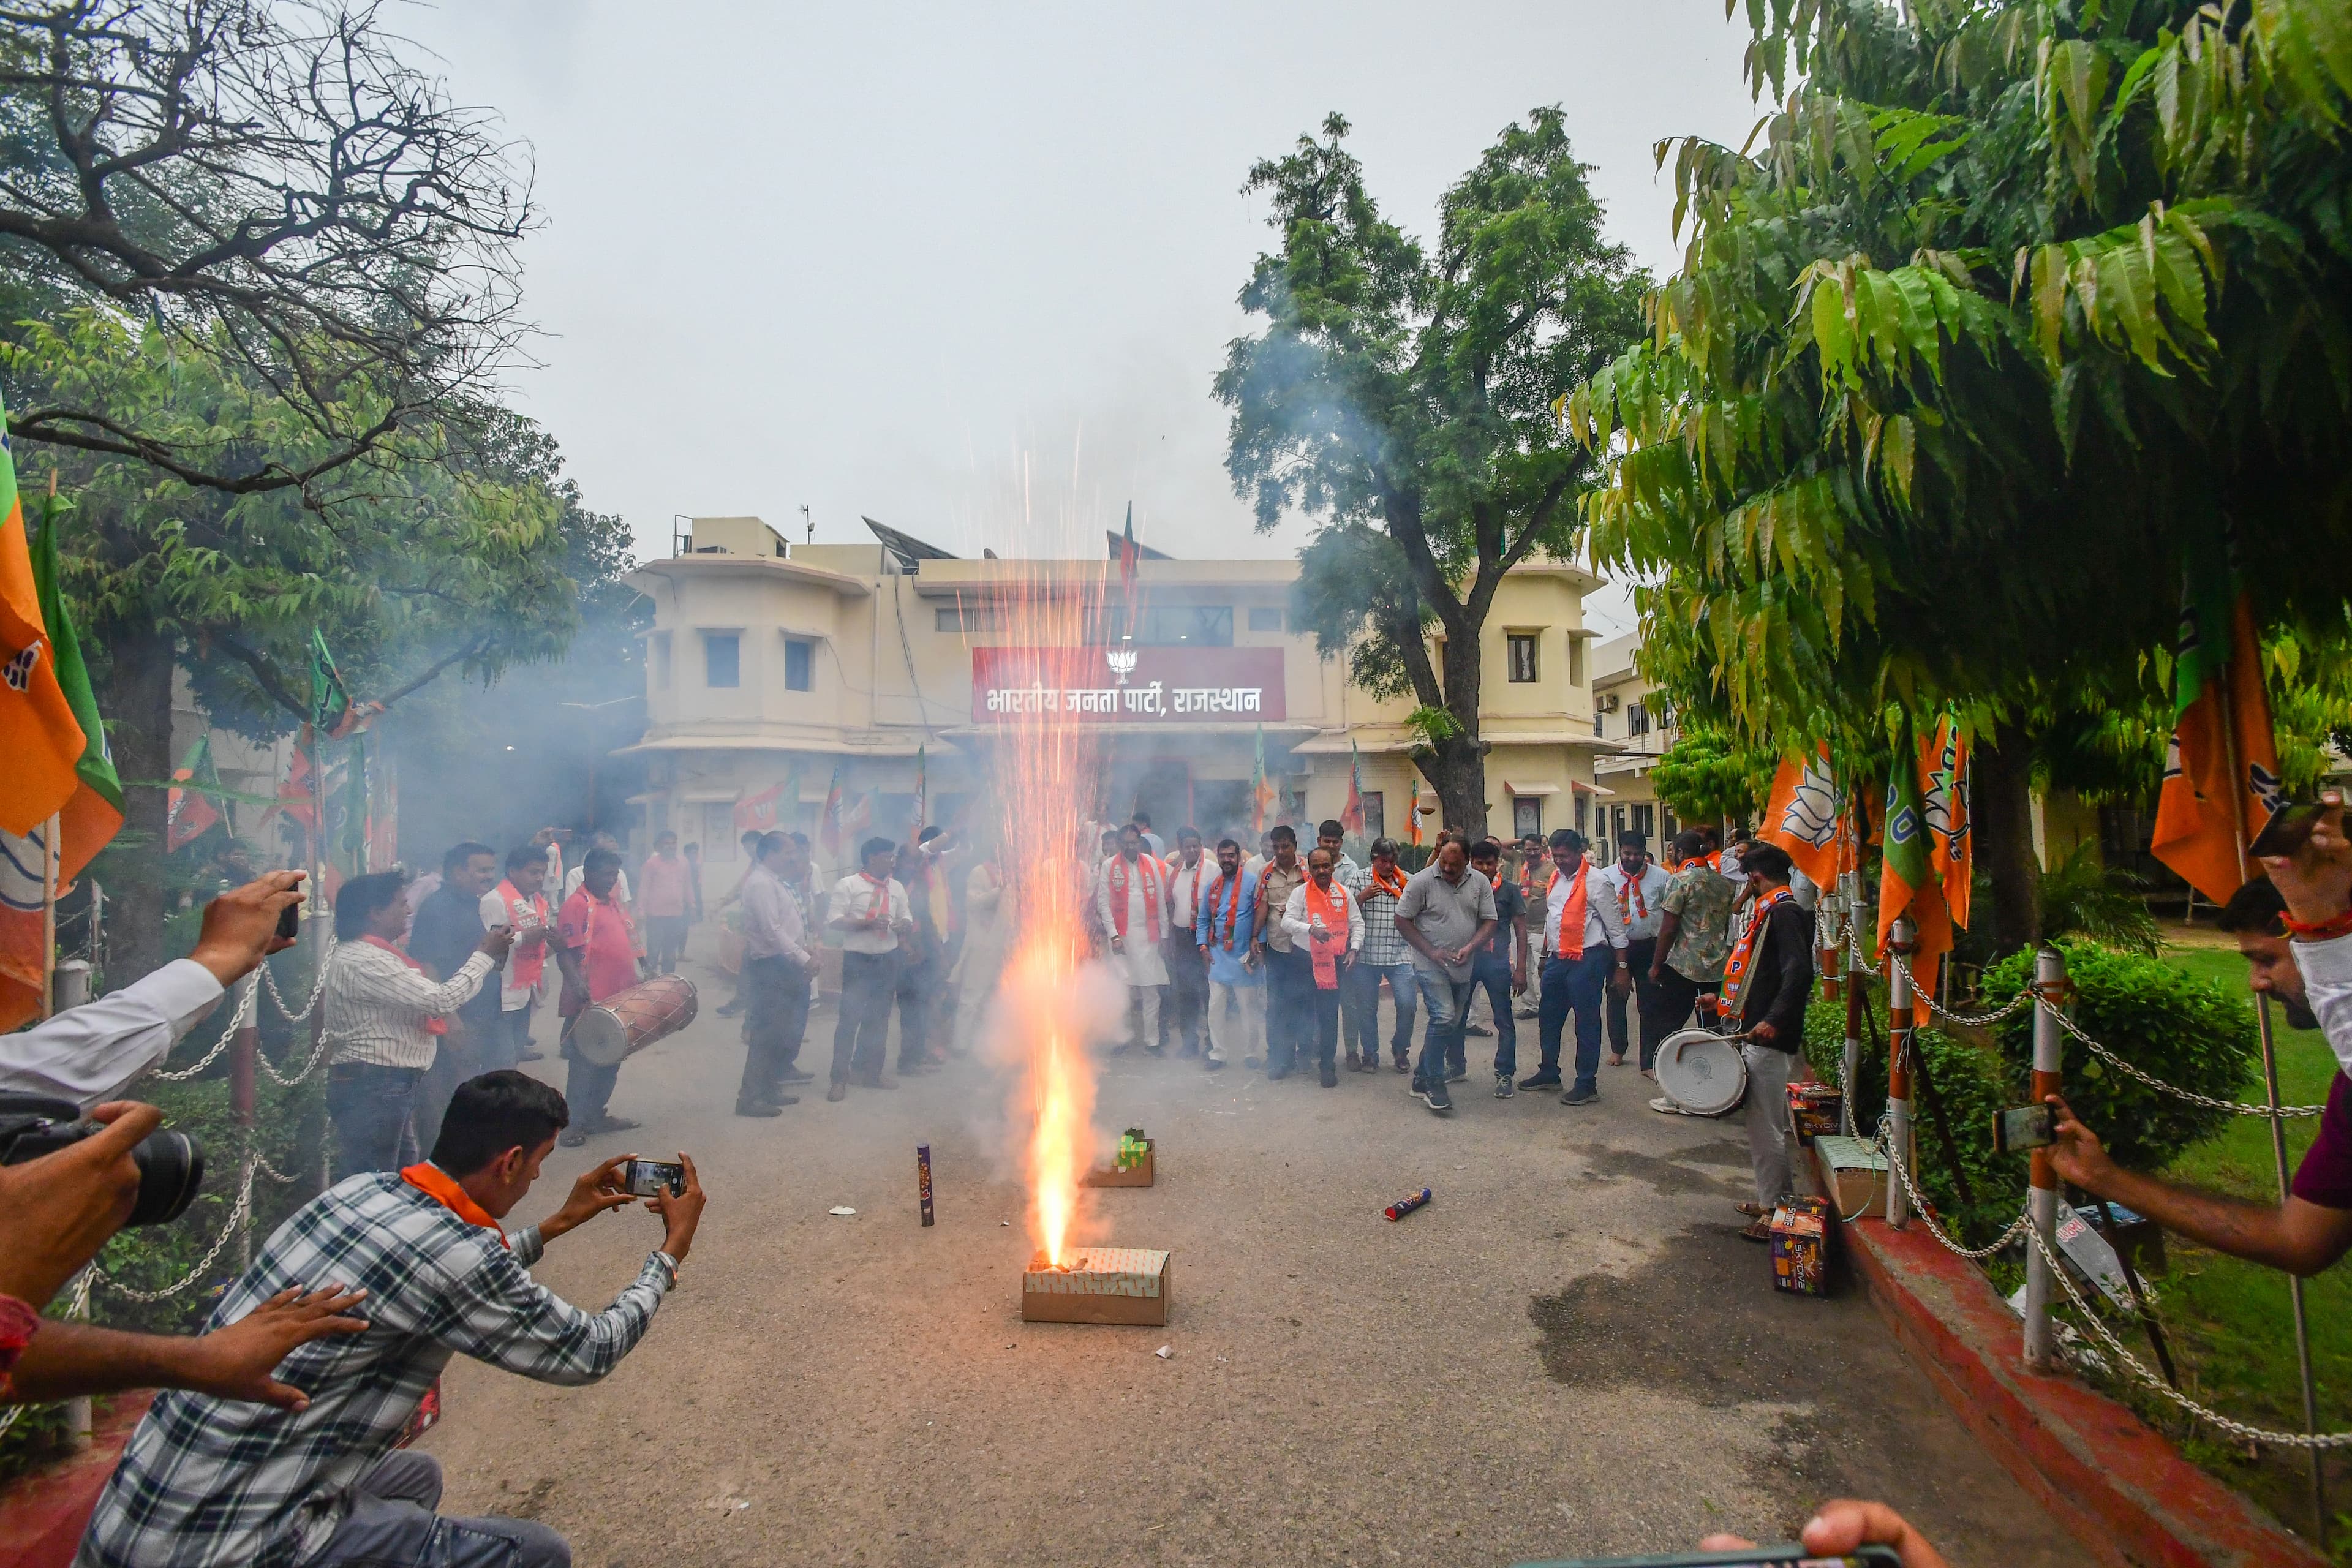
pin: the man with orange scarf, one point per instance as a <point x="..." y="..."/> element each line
<point x="1766" y="986"/>
<point x="1383" y="956"/>
<point x="1226" y="932"/>
<point x="1584" y="955"/>
<point x="1327" y="925"/>
<point x="517" y="904"/>
<point x="1132" y="894"/>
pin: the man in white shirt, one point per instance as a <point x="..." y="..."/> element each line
<point x="1584" y="955"/>
<point x="1325" y="925"/>
<point x="1638" y="885"/>
<point x="1153" y="845"/>
<point x="517" y="904"/>
<point x="1133" y="894"/>
<point x="777" y="964"/>
<point x="866" y="916"/>
<point x="91" y="1054"/>
<point x="1187" y="980"/>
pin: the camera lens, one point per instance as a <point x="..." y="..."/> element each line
<point x="171" y="1171"/>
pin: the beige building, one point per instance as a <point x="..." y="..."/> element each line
<point x="771" y="663"/>
<point x="1627" y="713"/>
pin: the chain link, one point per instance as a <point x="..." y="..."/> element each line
<point x="277" y="998"/>
<point x="1978" y="1020"/>
<point x="239" y="1018"/>
<point x="1920" y="1209"/>
<point x="240" y="1215"/>
<point x="2235" y="1107"/>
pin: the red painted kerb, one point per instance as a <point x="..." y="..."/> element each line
<point x="2123" y="1490"/>
<point x="43" y="1515"/>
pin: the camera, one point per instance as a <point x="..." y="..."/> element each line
<point x="651" y="1178"/>
<point x="171" y="1164"/>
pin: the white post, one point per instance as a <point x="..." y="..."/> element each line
<point x="1856" y="997"/>
<point x="1898" y="1073"/>
<point x="2042" y="1197"/>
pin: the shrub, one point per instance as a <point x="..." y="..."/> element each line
<point x="2191" y="1033"/>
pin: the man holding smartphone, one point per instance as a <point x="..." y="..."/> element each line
<point x="209" y="1482"/>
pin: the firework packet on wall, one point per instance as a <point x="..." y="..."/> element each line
<point x="1101" y="1285"/>
<point x="1131" y="1166"/>
<point x="1854" y="1172"/>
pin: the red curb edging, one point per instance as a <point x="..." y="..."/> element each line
<point x="42" y="1514"/>
<point x="2124" y="1491"/>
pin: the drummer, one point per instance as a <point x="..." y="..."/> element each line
<point x="599" y="959"/>
<point x="1765" y="984"/>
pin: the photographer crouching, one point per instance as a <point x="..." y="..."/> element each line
<point x="207" y="1482"/>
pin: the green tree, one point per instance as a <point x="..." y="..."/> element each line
<point x="2017" y="306"/>
<point x="441" y="548"/>
<point x="1400" y="394"/>
<point x="1705" y="777"/>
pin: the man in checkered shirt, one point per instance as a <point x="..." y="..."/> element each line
<point x="207" y="1481"/>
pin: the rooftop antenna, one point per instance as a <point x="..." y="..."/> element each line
<point x="808" y="525"/>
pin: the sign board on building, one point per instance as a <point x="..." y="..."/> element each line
<point x="1123" y="684"/>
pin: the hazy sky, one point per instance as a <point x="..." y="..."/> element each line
<point x="945" y="266"/>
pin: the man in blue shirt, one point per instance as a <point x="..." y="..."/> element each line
<point x="1226" y="929"/>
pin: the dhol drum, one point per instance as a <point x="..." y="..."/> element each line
<point x="1702" y="1072"/>
<point x="626" y="1022"/>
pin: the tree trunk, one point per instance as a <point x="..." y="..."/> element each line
<point x="2004" y="828"/>
<point x="1458" y="765"/>
<point x="137" y="702"/>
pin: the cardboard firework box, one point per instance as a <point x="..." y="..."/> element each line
<point x="1800" y="1245"/>
<point x="1099" y="1285"/>
<point x="1814" y="1109"/>
<point x="1854" y="1173"/>
<point x="1131" y="1166"/>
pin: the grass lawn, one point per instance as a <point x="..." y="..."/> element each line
<point x="2230" y="1324"/>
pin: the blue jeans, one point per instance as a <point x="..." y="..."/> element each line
<point x="393" y="1521"/>
<point x="370" y="1107"/>
<point x="1360" y="999"/>
<point x="1448" y="1001"/>
<point x="1574" y="984"/>
<point x="1494" y="975"/>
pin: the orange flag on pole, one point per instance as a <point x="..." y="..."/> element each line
<point x="40" y="736"/>
<point x="2221" y="779"/>
<point x="1801" y="815"/>
<point x="1944" y="790"/>
<point x="1908" y="884"/>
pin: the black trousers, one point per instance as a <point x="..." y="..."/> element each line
<point x="1674" y="999"/>
<point x="1638" y="955"/>
<point x="1186" y="1006"/>
<point x="866" y="981"/>
<point x="1289" y="1007"/>
<point x="776" y="992"/>
<point x="916" y="989"/>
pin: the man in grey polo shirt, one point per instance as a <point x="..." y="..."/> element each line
<point x="1445" y="916"/>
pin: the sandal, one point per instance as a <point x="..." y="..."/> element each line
<point x="1760" y="1231"/>
<point x="1752" y="1211"/>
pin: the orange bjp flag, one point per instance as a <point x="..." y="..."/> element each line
<point x="2205" y="816"/>
<point x="39" y="735"/>
<point x="1801" y="815"/>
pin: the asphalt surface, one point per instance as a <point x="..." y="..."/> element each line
<point x="1569" y="1352"/>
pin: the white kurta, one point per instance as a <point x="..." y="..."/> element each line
<point x="1143" y="963"/>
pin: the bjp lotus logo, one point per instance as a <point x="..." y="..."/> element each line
<point x="1122" y="662"/>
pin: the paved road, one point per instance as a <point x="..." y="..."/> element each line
<point x="1569" y="1352"/>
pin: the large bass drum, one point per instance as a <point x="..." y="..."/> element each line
<point x="1702" y="1072"/>
<point x="626" y="1022"/>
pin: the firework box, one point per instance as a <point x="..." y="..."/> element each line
<point x="1800" y="1245"/>
<point x="1854" y="1173"/>
<point x="1131" y="1166"/>
<point x="1814" y="1109"/>
<point x="1102" y="1285"/>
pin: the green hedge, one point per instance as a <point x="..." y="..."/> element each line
<point x="2188" y="1032"/>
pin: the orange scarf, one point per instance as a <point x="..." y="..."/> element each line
<point x="1332" y="909"/>
<point x="1152" y="896"/>
<point x="1629" y="896"/>
<point x="525" y="967"/>
<point x="435" y="1024"/>
<point x="1736" y="970"/>
<point x="1230" y="887"/>
<point x="1571" y="915"/>
<point x="440" y="1186"/>
<point x="1381" y="881"/>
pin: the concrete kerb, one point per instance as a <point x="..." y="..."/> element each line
<point x="43" y="1513"/>
<point x="2124" y="1491"/>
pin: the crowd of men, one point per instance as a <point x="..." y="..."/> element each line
<point x="279" y="1440"/>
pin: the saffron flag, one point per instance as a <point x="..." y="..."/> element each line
<point x="1261" y="789"/>
<point x="1908" y="884"/>
<point x="294" y="795"/>
<point x="39" y="735"/>
<point x="1944" y="793"/>
<point x="2221" y="779"/>
<point x="93" y="815"/>
<point x="188" y="810"/>
<point x="858" y="818"/>
<point x="828" y="825"/>
<point x="1130" y="564"/>
<point x="757" y="812"/>
<point x="1413" y="815"/>
<point x="1802" y="813"/>
<point x="1351" y="816"/>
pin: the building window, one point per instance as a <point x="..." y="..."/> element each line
<point x="661" y="662"/>
<point x="722" y="659"/>
<point x="800" y="665"/>
<point x="1637" y="719"/>
<point x="968" y="618"/>
<point x="1262" y="619"/>
<point x="1521" y="646"/>
<point x="1576" y="661"/>
<point x="1376" y="809"/>
<point x="1616" y="824"/>
<point x="1187" y="625"/>
<point x="1599" y="725"/>
<point x="1583" y="815"/>
<point x="1526" y="816"/>
<point x="1644" y="822"/>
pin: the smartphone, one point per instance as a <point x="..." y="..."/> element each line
<point x="2289" y="825"/>
<point x="651" y="1178"/>
<point x="2024" y="1127"/>
<point x="289" y="921"/>
<point x="1788" y="1556"/>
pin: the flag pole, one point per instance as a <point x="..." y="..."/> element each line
<point x="2278" y="1127"/>
<point x="50" y="915"/>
